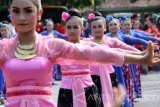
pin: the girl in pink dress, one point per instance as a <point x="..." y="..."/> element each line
<point x="101" y="73"/>
<point x="77" y="88"/>
<point x="27" y="59"/>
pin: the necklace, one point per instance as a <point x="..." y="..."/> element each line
<point x="25" y="52"/>
<point x="99" y="41"/>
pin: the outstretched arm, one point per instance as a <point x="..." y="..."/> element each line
<point x="100" y="54"/>
<point x="145" y="36"/>
<point x="59" y="35"/>
<point x="90" y="53"/>
<point x="131" y="40"/>
<point x="146" y="59"/>
<point x="115" y="43"/>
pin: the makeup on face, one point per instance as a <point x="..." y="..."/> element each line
<point x="126" y="26"/>
<point x="98" y="28"/>
<point x="4" y="31"/>
<point x="24" y="15"/>
<point x="113" y="26"/>
<point x="74" y="29"/>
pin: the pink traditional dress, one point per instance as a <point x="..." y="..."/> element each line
<point x="104" y="70"/>
<point x="114" y="43"/>
<point x="77" y="87"/>
<point x="76" y="79"/>
<point x="29" y="82"/>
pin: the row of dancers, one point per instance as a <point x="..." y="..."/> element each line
<point x="89" y="78"/>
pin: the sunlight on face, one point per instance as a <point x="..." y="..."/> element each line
<point x="126" y="26"/>
<point x="74" y="29"/>
<point x="49" y="26"/>
<point x="136" y="25"/>
<point x="98" y="28"/>
<point x="24" y="15"/>
<point x="114" y="26"/>
<point x="4" y="31"/>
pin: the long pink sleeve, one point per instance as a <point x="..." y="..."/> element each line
<point x="115" y="43"/>
<point x="68" y="50"/>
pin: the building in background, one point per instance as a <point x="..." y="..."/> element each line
<point x="140" y="6"/>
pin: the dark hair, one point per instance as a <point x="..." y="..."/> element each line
<point x="97" y="14"/>
<point x="98" y="18"/>
<point x="158" y="19"/>
<point x="115" y="20"/>
<point x="76" y="17"/>
<point x="134" y="16"/>
<point x="152" y="20"/>
<point x="75" y="12"/>
<point x="125" y="19"/>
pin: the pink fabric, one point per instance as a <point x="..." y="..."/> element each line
<point x="77" y="85"/>
<point x="104" y="70"/>
<point x="38" y="71"/>
<point x="115" y="43"/>
<point x="29" y="100"/>
<point x="107" y="93"/>
<point x="17" y="76"/>
<point x="27" y="88"/>
<point x="67" y="81"/>
<point x="91" y="16"/>
<point x="65" y="16"/>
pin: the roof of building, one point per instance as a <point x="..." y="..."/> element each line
<point x="126" y="3"/>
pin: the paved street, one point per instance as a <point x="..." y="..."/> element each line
<point x="55" y="90"/>
<point x="150" y="91"/>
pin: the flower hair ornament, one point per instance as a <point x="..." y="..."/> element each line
<point x="125" y="18"/>
<point x="65" y="16"/>
<point x="91" y="16"/>
<point x="120" y="19"/>
<point x="1" y="24"/>
<point x="109" y="18"/>
<point x="46" y="20"/>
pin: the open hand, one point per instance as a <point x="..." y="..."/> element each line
<point x="150" y="58"/>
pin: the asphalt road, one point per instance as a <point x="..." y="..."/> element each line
<point x="150" y="91"/>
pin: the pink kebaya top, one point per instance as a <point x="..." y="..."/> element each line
<point x="76" y="77"/>
<point x="104" y="69"/>
<point x="29" y="82"/>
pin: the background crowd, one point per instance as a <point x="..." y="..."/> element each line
<point x="132" y="30"/>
